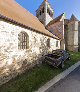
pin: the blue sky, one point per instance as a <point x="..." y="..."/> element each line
<point x="68" y="6"/>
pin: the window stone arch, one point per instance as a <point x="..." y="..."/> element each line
<point x="23" y="40"/>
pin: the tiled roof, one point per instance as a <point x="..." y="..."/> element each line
<point x="55" y="20"/>
<point x="11" y="10"/>
<point x="58" y="34"/>
<point x="55" y="31"/>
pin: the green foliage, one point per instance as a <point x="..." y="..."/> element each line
<point x="38" y="76"/>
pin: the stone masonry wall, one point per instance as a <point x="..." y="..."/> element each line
<point x="73" y="36"/>
<point x="14" y="61"/>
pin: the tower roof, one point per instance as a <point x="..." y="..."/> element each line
<point x="43" y="3"/>
<point x="73" y="18"/>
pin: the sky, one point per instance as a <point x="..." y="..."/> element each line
<point x="68" y="7"/>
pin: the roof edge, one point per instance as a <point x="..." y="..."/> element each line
<point x="23" y="25"/>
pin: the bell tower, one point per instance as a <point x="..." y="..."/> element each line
<point x="45" y="12"/>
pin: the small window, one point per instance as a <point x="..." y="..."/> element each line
<point x="40" y="12"/>
<point x="43" y="10"/>
<point x="23" y="40"/>
<point x="49" y="13"/>
<point x="56" y="43"/>
<point x="48" y="42"/>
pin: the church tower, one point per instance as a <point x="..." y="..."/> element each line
<point x="45" y="12"/>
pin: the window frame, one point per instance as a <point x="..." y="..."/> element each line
<point x="23" y="40"/>
<point x="56" y="43"/>
<point x="43" y="10"/>
<point x="48" y="42"/>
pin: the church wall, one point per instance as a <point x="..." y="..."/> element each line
<point x="76" y="40"/>
<point x="65" y="36"/>
<point x="14" y="61"/>
<point x="48" y="18"/>
<point x="42" y="18"/>
<point x="76" y="25"/>
<point x="76" y="36"/>
<point x="79" y="37"/>
<point x="70" y="36"/>
<point x="73" y="36"/>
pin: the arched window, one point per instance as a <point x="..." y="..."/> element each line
<point x="23" y="40"/>
<point x="48" y="42"/>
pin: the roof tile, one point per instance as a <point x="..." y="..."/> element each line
<point x="12" y="10"/>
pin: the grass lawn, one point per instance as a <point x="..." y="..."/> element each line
<point x="38" y="76"/>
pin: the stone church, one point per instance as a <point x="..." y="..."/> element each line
<point x="25" y="38"/>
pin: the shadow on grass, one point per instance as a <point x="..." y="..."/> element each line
<point x="33" y="79"/>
